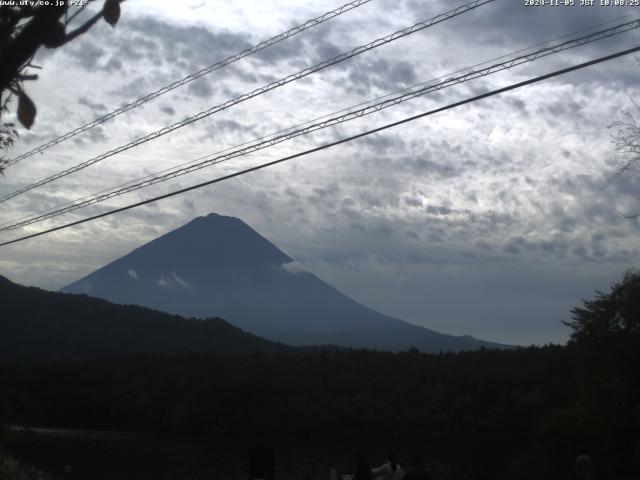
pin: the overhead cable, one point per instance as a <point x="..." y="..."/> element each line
<point x="259" y="91"/>
<point x="190" y="78"/>
<point x="288" y="134"/>
<point x="332" y="144"/>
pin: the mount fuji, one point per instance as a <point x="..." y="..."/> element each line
<point x="219" y="266"/>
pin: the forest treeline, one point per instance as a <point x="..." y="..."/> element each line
<point x="537" y="398"/>
<point x="551" y="400"/>
<point x="404" y="393"/>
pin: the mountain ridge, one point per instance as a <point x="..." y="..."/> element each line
<point x="39" y="325"/>
<point x="219" y="266"/>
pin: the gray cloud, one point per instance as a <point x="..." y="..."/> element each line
<point x="294" y="267"/>
<point x="97" y="108"/>
<point x="113" y="65"/>
<point x="196" y="46"/>
<point x="87" y="54"/>
<point x="200" y="88"/>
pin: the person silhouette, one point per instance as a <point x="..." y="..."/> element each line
<point x="363" y="470"/>
<point x="389" y="470"/>
<point x="582" y="467"/>
<point x="417" y="471"/>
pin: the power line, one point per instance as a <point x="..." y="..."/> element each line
<point x="333" y="144"/>
<point x="288" y="134"/>
<point x="267" y="142"/>
<point x="259" y="91"/>
<point x="38" y="216"/>
<point x="189" y="78"/>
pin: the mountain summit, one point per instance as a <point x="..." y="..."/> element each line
<point x="219" y="266"/>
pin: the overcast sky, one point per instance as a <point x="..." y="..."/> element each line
<point x="493" y="219"/>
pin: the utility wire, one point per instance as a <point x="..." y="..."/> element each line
<point x="258" y="145"/>
<point x="259" y="91"/>
<point x="333" y="144"/>
<point x="289" y="134"/>
<point x="130" y="182"/>
<point x="190" y="78"/>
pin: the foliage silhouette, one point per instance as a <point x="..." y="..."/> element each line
<point x="24" y="28"/>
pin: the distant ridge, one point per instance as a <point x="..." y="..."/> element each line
<point x="219" y="266"/>
<point x="37" y="325"/>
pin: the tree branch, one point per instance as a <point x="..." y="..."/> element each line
<point x="22" y="77"/>
<point x="25" y="45"/>
<point x="82" y="29"/>
<point x="76" y="14"/>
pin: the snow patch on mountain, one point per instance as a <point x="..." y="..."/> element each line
<point x="294" y="267"/>
<point x="170" y="280"/>
<point x="132" y="273"/>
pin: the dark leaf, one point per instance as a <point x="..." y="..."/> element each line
<point x="26" y="110"/>
<point x="111" y="12"/>
<point x="53" y="35"/>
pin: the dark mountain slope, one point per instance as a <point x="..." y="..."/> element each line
<point x="39" y="325"/>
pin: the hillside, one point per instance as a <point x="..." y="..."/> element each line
<point x="39" y="325"/>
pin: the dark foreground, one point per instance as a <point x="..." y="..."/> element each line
<point x="485" y="414"/>
<point x="108" y="455"/>
<point x="494" y="414"/>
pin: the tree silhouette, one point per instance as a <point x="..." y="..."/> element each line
<point x="608" y="328"/>
<point x="606" y="339"/>
<point x="610" y="315"/>
<point x="626" y="140"/>
<point x="23" y="30"/>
